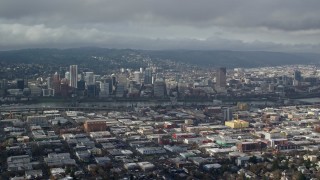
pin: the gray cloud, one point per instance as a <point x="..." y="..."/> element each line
<point x="203" y="24"/>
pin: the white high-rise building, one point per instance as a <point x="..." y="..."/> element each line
<point x="67" y="75"/>
<point x="50" y="82"/>
<point x="73" y="76"/>
<point x="89" y="78"/>
<point x="137" y="76"/>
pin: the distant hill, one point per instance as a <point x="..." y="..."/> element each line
<point x="114" y="58"/>
<point x="236" y="58"/>
<point x="62" y="56"/>
<point x="97" y="59"/>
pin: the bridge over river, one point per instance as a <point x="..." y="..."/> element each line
<point x="91" y="106"/>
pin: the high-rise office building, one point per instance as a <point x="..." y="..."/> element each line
<point x="122" y="79"/>
<point x="62" y="72"/>
<point x="109" y="81"/>
<point x="221" y="77"/>
<point x="73" y="76"/>
<point x="20" y="84"/>
<point x="114" y="80"/>
<point x="104" y="89"/>
<point x="67" y="75"/>
<point x="137" y="76"/>
<point x="177" y="77"/>
<point x="3" y="87"/>
<point x="159" y="87"/>
<point x="81" y="85"/>
<point x="26" y="82"/>
<point x="297" y="78"/>
<point x="148" y="76"/>
<point x="120" y="90"/>
<point x="89" y="78"/>
<point x="92" y="90"/>
<point x="50" y="82"/>
<point x="227" y="114"/>
<point x="56" y="83"/>
<point x="297" y="75"/>
<point x="64" y="87"/>
<point x="3" y="84"/>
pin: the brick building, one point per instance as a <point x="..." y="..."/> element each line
<point x="94" y="125"/>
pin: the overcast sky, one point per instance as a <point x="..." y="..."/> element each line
<point x="271" y="25"/>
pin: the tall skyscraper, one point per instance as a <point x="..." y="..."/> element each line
<point x="73" y="76"/>
<point x="4" y="84"/>
<point x="26" y="82"/>
<point x="148" y="76"/>
<point x="297" y="75"/>
<point x="67" y="75"/>
<point x="109" y="81"/>
<point x="49" y="82"/>
<point x="20" y="83"/>
<point x="89" y="78"/>
<point x="81" y="85"/>
<point x="56" y="83"/>
<point x="297" y="78"/>
<point x="227" y="114"/>
<point x="137" y="76"/>
<point x="62" y="71"/>
<point x="92" y="90"/>
<point x="120" y="90"/>
<point x="159" y="88"/>
<point x="104" y="89"/>
<point x="221" y="77"/>
<point x="114" y="80"/>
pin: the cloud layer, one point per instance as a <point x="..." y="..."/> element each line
<point x="288" y="25"/>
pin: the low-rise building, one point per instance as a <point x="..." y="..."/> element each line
<point x="100" y="134"/>
<point x="38" y="121"/>
<point x="145" y="166"/>
<point x="237" y="124"/>
<point x="131" y="166"/>
<point x="33" y="174"/>
<point x="19" y="163"/>
<point x="102" y="160"/>
<point x="151" y="150"/>
<point x="183" y="135"/>
<point x="59" y="160"/>
<point x="251" y="146"/>
<point x="176" y="149"/>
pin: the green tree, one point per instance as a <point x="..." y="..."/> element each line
<point x="241" y="176"/>
<point x="298" y="176"/>
<point x="307" y="163"/>
<point x="275" y="164"/>
<point x="253" y="159"/>
<point x="285" y="165"/>
<point x="276" y="174"/>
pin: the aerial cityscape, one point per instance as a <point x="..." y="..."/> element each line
<point x="159" y="90"/>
